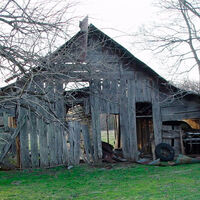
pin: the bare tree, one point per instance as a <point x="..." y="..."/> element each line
<point x="188" y="85"/>
<point x="28" y="31"/>
<point x="177" y="35"/>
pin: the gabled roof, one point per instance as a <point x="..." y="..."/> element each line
<point x="125" y="54"/>
<point x="71" y="44"/>
<point x="111" y="43"/>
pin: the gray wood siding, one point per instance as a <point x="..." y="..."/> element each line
<point x="179" y="110"/>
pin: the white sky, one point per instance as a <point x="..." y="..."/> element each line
<point x="121" y="18"/>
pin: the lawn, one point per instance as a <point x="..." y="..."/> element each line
<point x="128" y="181"/>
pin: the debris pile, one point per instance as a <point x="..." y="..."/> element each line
<point x="110" y="155"/>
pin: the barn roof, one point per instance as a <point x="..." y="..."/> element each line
<point x="125" y="54"/>
<point x="120" y="50"/>
<point x="112" y="44"/>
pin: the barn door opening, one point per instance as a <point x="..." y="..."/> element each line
<point x="110" y="129"/>
<point x="144" y="124"/>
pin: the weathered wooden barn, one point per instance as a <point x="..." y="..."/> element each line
<point x="55" y="125"/>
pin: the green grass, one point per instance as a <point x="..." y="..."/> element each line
<point x="120" y="182"/>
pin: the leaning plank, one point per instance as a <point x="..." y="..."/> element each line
<point x="14" y="135"/>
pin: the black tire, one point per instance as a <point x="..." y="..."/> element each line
<point x="165" y="152"/>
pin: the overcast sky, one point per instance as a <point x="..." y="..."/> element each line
<point x="121" y="18"/>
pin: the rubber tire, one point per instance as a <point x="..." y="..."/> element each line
<point x="170" y="152"/>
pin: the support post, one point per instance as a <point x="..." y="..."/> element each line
<point x="133" y="154"/>
<point x="157" y="121"/>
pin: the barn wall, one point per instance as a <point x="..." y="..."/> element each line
<point x="116" y="86"/>
<point x="118" y="94"/>
<point x="180" y="110"/>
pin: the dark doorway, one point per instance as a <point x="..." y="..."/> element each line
<point x="144" y="124"/>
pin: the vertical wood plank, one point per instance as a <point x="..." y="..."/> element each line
<point x="105" y="95"/>
<point x="117" y="132"/>
<point x="59" y="135"/>
<point x="86" y="106"/>
<point x="123" y="118"/>
<point x="114" y="96"/>
<point x="98" y="127"/>
<point x="148" y="90"/>
<point x="44" y="162"/>
<point x="65" y="149"/>
<point x="181" y="142"/>
<point x="5" y="121"/>
<point x="89" y="124"/>
<point x="133" y="150"/>
<point x="157" y="121"/>
<point x="71" y="149"/>
<point x="42" y="126"/>
<point x="55" y="140"/>
<point x="34" y="140"/>
<point x="60" y="113"/>
<point x="138" y="92"/>
<point x="76" y="140"/>
<point x="18" y="151"/>
<point x="86" y="139"/>
<point x="94" y="133"/>
<point x="95" y="112"/>
<point x="24" y="143"/>
<point x="52" y="145"/>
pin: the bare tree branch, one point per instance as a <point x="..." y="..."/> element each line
<point x="176" y="39"/>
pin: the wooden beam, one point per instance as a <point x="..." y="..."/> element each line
<point x="95" y="112"/>
<point x="124" y="118"/>
<point x="87" y="143"/>
<point x="157" y="121"/>
<point x="133" y="154"/>
<point x="34" y="140"/>
<point x="24" y="141"/>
